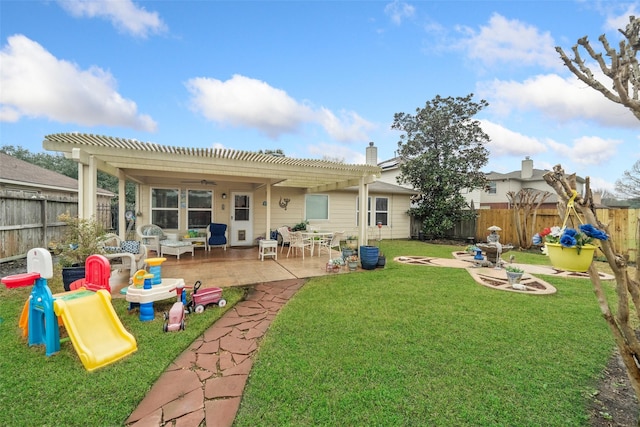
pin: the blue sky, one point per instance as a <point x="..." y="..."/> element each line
<point x="313" y="78"/>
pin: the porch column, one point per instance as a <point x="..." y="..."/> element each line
<point x="87" y="184"/>
<point x="122" y="224"/>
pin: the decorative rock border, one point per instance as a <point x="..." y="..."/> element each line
<point x="496" y="278"/>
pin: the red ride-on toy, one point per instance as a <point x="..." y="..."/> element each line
<point x="200" y="299"/>
<point x="174" y="319"/>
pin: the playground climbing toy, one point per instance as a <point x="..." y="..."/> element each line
<point x="93" y="327"/>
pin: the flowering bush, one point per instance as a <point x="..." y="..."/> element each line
<point x="570" y="237"/>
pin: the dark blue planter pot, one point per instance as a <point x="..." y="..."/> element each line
<point x="70" y="275"/>
<point x="369" y="257"/>
<point x="347" y="253"/>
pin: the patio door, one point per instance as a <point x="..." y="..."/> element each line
<point x="241" y="233"/>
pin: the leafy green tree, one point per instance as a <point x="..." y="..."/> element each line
<point x="441" y="153"/>
<point x="277" y="152"/>
<point x="53" y="162"/>
<point x="60" y="164"/>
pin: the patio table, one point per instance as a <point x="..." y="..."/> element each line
<point x="317" y="237"/>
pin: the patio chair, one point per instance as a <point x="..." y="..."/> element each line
<point x="286" y="236"/>
<point x="334" y="242"/>
<point x="299" y="242"/>
<point x="125" y="255"/>
<point x="217" y="235"/>
<point x="150" y="235"/>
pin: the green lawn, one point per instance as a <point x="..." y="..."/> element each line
<point x="416" y="345"/>
<point x="37" y="390"/>
<point x="407" y="345"/>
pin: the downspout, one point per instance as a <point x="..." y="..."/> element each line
<point x="363" y="197"/>
<point x="268" y="222"/>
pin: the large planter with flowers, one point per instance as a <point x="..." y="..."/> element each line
<point x="570" y="249"/>
<point x="570" y="259"/>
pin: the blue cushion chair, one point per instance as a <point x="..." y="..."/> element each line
<point x="217" y="234"/>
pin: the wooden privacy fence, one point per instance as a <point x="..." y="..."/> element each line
<point x="32" y="222"/>
<point x="623" y="226"/>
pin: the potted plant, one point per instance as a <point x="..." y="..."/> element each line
<point x="301" y="226"/>
<point x="570" y="249"/>
<point x="352" y="262"/>
<point x="514" y="274"/>
<point x="82" y="238"/>
<point x="352" y="242"/>
<point x="382" y="260"/>
<point x="337" y="264"/>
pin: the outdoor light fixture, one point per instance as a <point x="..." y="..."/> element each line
<point x="224" y="195"/>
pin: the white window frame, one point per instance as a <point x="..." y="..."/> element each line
<point x="308" y="211"/>
<point x="386" y="212"/>
<point x="209" y="209"/>
<point x="165" y="209"/>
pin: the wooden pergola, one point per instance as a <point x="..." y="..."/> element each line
<point x="142" y="162"/>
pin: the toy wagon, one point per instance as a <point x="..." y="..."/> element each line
<point x="200" y="299"/>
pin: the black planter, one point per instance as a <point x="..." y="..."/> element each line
<point x="382" y="261"/>
<point x="70" y="275"/>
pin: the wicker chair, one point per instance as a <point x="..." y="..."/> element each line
<point x="151" y="235"/>
<point x="286" y="236"/>
<point x="125" y="255"/>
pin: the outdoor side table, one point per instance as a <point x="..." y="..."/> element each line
<point x="198" y="242"/>
<point x="268" y="248"/>
<point x="175" y="247"/>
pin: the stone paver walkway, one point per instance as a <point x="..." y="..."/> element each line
<point x="205" y="383"/>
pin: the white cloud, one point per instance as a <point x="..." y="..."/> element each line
<point x="587" y="150"/>
<point x="340" y="152"/>
<point x="619" y="20"/>
<point x="36" y="84"/>
<point x="505" y="142"/>
<point x="123" y="14"/>
<point x="561" y="99"/>
<point x="398" y="11"/>
<point x="245" y="102"/>
<point x="349" y="127"/>
<point x="512" y="42"/>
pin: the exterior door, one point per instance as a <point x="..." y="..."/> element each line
<point x="241" y="219"/>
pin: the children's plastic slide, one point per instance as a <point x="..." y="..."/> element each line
<point x="94" y="328"/>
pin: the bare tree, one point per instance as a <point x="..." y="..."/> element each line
<point x="525" y="203"/>
<point x="627" y="288"/>
<point x="623" y="70"/>
<point x="622" y="67"/>
<point x="629" y="184"/>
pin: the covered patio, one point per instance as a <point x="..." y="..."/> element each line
<point x="253" y="193"/>
<point x="240" y="267"/>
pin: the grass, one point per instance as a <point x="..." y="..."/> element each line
<point x="407" y="345"/>
<point x="58" y="391"/>
<point x="415" y="345"/>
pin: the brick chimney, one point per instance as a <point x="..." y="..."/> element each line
<point x="527" y="168"/>
<point x="372" y="154"/>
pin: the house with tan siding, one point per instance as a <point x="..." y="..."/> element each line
<point x="181" y="188"/>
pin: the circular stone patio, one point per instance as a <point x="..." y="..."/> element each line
<point x="496" y="278"/>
